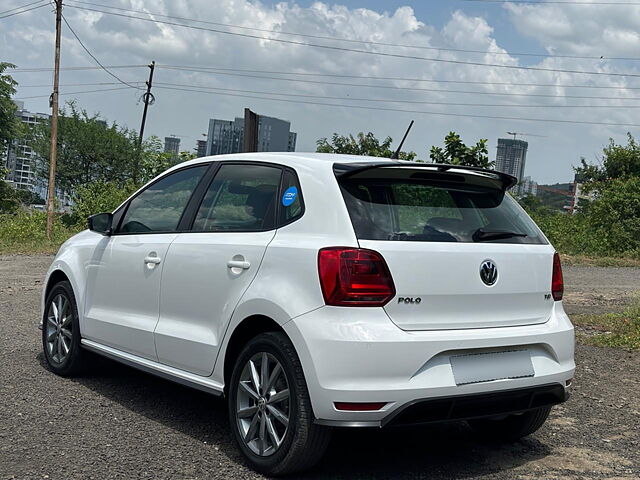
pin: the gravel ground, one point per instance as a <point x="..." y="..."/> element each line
<point x="116" y="422"/>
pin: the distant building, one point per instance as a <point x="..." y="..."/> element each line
<point x="201" y="148"/>
<point x="20" y="159"/>
<point x="511" y="157"/>
<point x="527" y="187"/>
<point x="226" y="136"/>
<point x="172" y="145"/>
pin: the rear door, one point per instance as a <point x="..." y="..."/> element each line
<point x="447" y="241"/>
<point x="123" y="281"/>
<point x="208" y="269"/>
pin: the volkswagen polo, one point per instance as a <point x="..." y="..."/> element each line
<point x="315" y="291"/>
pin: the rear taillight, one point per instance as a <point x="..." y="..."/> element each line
<point x="352" y="277"/>
<point x="557" y="284"/>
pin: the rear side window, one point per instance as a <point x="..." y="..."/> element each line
<point x="159" y="207"/>
<point x="423" y="211"/>
<point x="291" y="203"/>
<point x="241" y="198"/>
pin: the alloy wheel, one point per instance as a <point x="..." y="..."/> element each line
<point x="59" y="328"/>
<point x="263" y="404"/>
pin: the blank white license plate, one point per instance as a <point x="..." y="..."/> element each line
<point x="485" y="367"/>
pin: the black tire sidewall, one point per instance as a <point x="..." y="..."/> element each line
<point x="266" y="343"/>
<point x="69" y="366"/>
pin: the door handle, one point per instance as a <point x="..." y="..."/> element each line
<point x="243" y="264"/>
<point x="152" y="260"/>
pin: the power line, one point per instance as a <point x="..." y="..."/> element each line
<point x="386" y="100"/>
<point x="405" y="79"/>
<point x="386" y="109"/>
<point x="75" y="93"/>
<point x="49" y="69"/>
<point x="349" y="40"/>
<point x="23" y="11"/>
<point x="45" y="85"/>
<point x="365" y="52"/>
<point x="94" y="58"/>
<point x="554" y="2"/>
<point x="417" y="89"/>
<point x="334" y="75"/>
<point x="23" y="6"/>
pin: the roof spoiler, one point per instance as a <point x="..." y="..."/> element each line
<point x="346" y="170"/>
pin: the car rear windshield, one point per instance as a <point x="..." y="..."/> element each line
<point x="426" y="211"/>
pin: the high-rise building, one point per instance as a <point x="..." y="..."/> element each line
<point x="172" y="145"/>
<point x="226" y="136"/>
<point x="511" y="157"/>
<point x="201" y="148"/>
<point x="20" y="159"/>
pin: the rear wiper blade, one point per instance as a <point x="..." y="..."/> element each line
<point x="480" y="235"/>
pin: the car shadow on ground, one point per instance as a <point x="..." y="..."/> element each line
<point x="438" y="451"/>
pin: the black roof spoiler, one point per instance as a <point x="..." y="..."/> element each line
<point x="346" y="170"/>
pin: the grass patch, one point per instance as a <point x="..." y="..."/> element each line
<point x="621" y="330"/>
<point x="587" y="261"/>
<point x="25" y="233"/>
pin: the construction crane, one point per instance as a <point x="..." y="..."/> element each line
<point x="525" y="135"/>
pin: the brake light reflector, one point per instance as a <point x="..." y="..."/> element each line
<point x="352" y="277"/>
<point x="557" y="283"/>
<point x="359" y="407"/>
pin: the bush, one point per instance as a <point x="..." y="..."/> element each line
<point x="25" y="232"/>
<point x="98" y="197"/>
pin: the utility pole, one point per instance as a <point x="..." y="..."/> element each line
<point x="148" y="99"/>
<point x="51" y="194"/>
<point x="250" y="143"/>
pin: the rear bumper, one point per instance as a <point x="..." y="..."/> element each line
<point x="465" y="407"/>
<point x="359" y="355"/>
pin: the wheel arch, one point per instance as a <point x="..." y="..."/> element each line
<point x="247" y="329"/>
<point x="56" y="276"/>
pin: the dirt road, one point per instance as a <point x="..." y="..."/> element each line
<point x="116" y="422"/>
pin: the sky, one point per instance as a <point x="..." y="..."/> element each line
<point x="490" y="60"/>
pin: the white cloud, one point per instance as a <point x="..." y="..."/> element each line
<point x="26" y="40"/>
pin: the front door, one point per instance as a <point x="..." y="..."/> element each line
<point x="123" y="278"/>
<point x="208" y="270"/>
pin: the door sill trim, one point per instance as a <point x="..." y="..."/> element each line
<point x="205" y="384"/>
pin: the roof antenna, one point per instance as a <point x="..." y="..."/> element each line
<point x="397" y="152"/>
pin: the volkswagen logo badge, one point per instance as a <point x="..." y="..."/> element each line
<point x="488" y="272"/>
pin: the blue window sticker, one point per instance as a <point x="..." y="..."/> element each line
<point x="289" y="196"/>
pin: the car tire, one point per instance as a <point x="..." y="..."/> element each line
<point x="513" y="427"/>
<point x="302" y="442"/>
<point x="61" y="332"/>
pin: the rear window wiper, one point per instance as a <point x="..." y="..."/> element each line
<point x="481" y="235"/>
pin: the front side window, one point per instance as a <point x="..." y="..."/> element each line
<point x="407" y="210"/>
<point x="160" y="206"/>
<point x="241" y="198"/>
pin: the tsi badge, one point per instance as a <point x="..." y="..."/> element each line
<point x="409" y="300"/>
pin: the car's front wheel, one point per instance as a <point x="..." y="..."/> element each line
<point x="512" y="427"/>
<point x="61" y="331"/>
<point x="270" y="410"/>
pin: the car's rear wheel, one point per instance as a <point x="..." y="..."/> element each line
<point x="61" y="331"/>
<point x="269" y="408"/>
<point x="512" y="427"/>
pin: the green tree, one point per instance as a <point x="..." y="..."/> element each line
<point x="89" y="149"/>
<point x="456" y="152"/>
<point x="618" y="161"/>
<point x="9" y="200"/>
<point x="364" y="144"/>
<point x="9" y="124"/>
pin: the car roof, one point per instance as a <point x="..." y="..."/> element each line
<point x="291" y="159"/>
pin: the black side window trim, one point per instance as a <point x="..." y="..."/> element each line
<point x="122" y="212"/>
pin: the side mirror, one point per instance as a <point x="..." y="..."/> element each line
<point x="101" y="223"/>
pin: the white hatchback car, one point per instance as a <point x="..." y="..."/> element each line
<point x="321" y="290"/>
